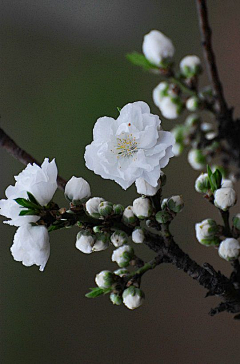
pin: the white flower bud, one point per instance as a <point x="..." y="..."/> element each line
<point x="128" y="215"/>
<point x="206" y="231"/>
<point x="105" y="208"/>
<point x="142" y="207"/>
<point x="175" y="203"/>
<point x="122" y="272"/>
<point x="104" y="279"/>
<point x="190" y="66"/>
<point x="144" y="188"/>
<point x="116" y="299"/>
<point x="85" y="242"/>
<point x="31" y="245"/>
<point x="224" y="198"/>
<point x="77" y="190"/>
<point x="170" y="107"/>
<point x="92" y="206"/>
<point x="133" y="297"/>
<point x="159" y="92"/>
<point x="123" y="255"/>
<point x="211" y="135"/>
<point x="193" y="103"/>
<point x="101" y="243"/>
<point x="177" y="149"/>
<point x="162" y="217"/>
<point x="227" y="183"/>
<point x="229" y="249"/>
<point x="138" y="236"/>
<point x="119" y="238"/>
<point x="236" y="221"/>
<point x="157" y="48"/>
<point x="202" y="184"/>
<point x="196" y="159"/>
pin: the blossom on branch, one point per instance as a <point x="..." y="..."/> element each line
<point x="157" y="48"/>
<point x="132" y="146"/>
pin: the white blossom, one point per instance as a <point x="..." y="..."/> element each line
<point x="133" y="297"/>
<point x="31" y="245"/>
<point x="77" y="189"/>
<point x="101" y="243"/>
<point x="85" y="242"/>
<point x="130" y="147"/>
<point x="142" y="207"/>
<point x="104" y="279"/>
<point x="41" y="182"/>
<point x="138" y="236"/>
<point x="190" y="65"/>
<point x="206" y="231"/>
<point x="144" y="188"/>
<point x="92" y="206"/>
<point x="224" y="198"/>
<point x="196" y="159"/>
<point x="123" y="255"/>
<point x="229" y="249"/>
<point x="157" y="48"/>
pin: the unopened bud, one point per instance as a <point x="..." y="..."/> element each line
<point x="142" y="207"/>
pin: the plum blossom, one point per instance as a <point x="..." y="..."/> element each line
<point x="157" y="48"/>
<point x="132" y="146"/>
<point x="41" y="182"/>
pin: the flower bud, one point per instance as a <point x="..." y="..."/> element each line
<point x="85" y="242"/>
<point x="229" y="249"/>
<point x="144" y="188"/>
<point x="133" y="297"/>
<point x="104" y="279"/>
<point x="192" y="122"/>
<point x="164" y="203"/>
<point x="236" y="221"/>
<point x="142" y="207"/>
<point x="175" y="203"/>
<point x="206" y="231"/>
<point x="101" y="243"/>
<point x="97" y="229"/>
<point x="177" y="149"/>
<point x="179" y="132"/>
<point x="138" y="236"/>
<point x="227" y="183"/>
<point x="92" y="206"/>
<point x="193" y="103"/>
<point x="118" y="209"/>
<point x="119" y="238"/>
<point x="105" y="208"/>
<point x="159" y="92"/>
<point x="190" y="66"/>
<point x="196" y="159"/>
<point x="202" y="184"/>
<point x="157" y="48"/>
<point x="128" y="215"/>
<point x="116" y="299"/>
<point x="77" y="190"/>
<point x="163" y="217"/>
<point x="170" y="107"/>
<point x="123" y="255"/>
<point x="122" y="272"/>
<point x="224" y="198"/>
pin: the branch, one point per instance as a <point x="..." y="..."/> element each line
<point x="206" y="34"/>
<point x="12" y="148"/>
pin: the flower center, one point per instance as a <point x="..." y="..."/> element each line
<point x="126" y="146"/>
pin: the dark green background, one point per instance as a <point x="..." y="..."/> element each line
<point x="63" y="66"/>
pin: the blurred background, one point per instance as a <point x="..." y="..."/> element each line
<point x="62" y="66"/>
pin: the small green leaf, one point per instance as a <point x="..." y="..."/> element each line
<point x="28" y="212"/>
<point x="140" y="60"/>
<point x="97" y="291"/>
<point x="218" y="178"/>
<point x="33" y="199"/>
<point x="209" y="171"/>
<point x="28" y="204"/>
<point x="119" y="109"/>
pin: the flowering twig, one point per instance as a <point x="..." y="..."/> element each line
<point x="206" y="34"/>
<point x="21" y="155"/>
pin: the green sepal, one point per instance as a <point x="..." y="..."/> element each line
<point x="140" y="60"/>
<point x="215" y="179"/>
<point x="119" y="109"/>
<point x="96" y="292"/>
<point x="33" y="199"/>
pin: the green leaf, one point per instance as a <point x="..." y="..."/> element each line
<point x="57" y="226"/>
<point x="140" y="60"/>
<point x="33" y="199"/>
<point x="218" y="178"/>
<point x="28" y="204"/>
<point x="96" y="291"/>
<point x="28" y="212"/>
<point x="209" y="171"/>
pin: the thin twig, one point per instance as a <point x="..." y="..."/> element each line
<point x="12" y="148"/>
<point x="206" y="34"/>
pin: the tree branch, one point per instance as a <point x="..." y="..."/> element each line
<point x="206" y="34"/>
<point x="12" y="148"/>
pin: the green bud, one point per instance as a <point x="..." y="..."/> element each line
<point x="175" y="203"/>
<point x="116" y="299"/>
<point x="122" y="272"/>
<point x="104" y="279"/>
<point x="162" y="217"/>
<point x="236" y="221"/>
<point x="118" y="238"/>
<point x="180" y="133"/>
<point x="105" y="208"/>
<point x="192" y="121"/>
<point x="193" y="103"/>
<point x="118" y="209"/>
<point x="202" y="184"/>
<point x="97" y="229"/>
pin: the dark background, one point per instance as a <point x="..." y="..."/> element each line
<point x="62" y="66"/>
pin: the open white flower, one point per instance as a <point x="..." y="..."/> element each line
<point x="130" y="147"/>
<point x="157" y="48"/>
<point x="41" y="182"/>
<point x="31" y="245"/>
